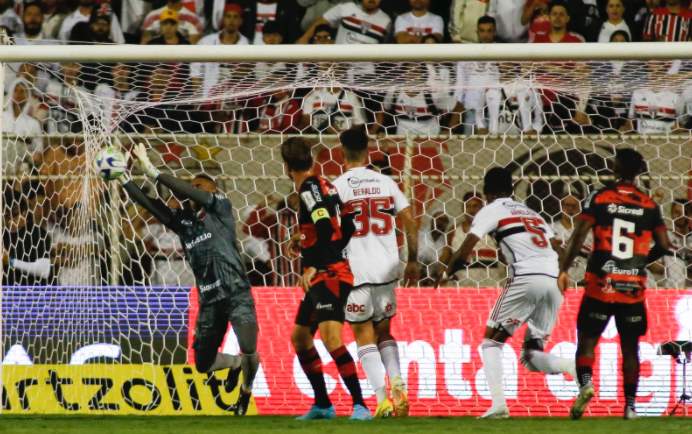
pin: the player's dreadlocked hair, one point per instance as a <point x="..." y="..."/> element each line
<point x="629" y="163"/>
<point x="296" y="153"/>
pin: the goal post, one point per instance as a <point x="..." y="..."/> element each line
<point x="97" y="305"/>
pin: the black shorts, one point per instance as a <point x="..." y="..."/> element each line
<point x="630" y="319"/>
<point x="324" y="301"/>
<point x="213" y="319"/>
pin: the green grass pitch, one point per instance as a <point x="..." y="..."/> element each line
<point x="267" y="424"/>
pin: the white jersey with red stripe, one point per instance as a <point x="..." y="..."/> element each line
<point x="373" y="252"/>
<point x="655" y="112"/>
<point x="357" y="26"/>
<point x="522" y="235"/>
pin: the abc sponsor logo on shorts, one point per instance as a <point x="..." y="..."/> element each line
<point x="355" y="308"/>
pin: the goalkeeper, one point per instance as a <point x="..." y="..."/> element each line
<point x="206" y="228"/>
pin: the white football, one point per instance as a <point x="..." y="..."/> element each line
<point x="110" y="163"/>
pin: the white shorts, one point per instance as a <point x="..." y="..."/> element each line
<point x="532" y="299"/>
<point x="371" y="302"/>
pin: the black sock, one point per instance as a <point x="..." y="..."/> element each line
<point x="584" y="369"/>
<point x="347" y="370"/>
<point x="312" y="366"/>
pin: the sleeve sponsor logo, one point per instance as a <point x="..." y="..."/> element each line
<point x="308" y="200"/>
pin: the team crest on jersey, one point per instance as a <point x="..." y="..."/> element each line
<point x="353" y="182"/>
<point x="612" y="208"/>
<point x="365" y="27"/>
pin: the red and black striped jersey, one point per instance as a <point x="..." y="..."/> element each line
<point x="665" y="26"/>
<point x="624" y="219"/>
<point x="319" y="200"/>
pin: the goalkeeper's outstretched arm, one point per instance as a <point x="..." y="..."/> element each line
<point x="156" y="207"/>
<point x="182" y="189"/>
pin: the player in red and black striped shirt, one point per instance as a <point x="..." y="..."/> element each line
<point x="625" y="221"/>
<point x="327" y="280"/>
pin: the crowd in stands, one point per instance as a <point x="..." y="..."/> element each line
<point x="462" y="98"/>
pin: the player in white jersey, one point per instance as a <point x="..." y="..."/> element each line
<point x="373" y="254"/>
<point x="655" y="112"/>
<point x="531" y="294"/>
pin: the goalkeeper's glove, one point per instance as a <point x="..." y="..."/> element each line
<point x="145" y="164"/>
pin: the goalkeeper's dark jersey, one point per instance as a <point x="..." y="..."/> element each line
<point x="624" y="220"/>
<point x="209" y="239"/>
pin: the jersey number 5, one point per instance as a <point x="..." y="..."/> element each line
<point x="623" y="245"/>
<point x="371" y="217"/>
<point x="535" y="227"/>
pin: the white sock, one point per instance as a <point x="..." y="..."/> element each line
<point x="492" y="365"/>
<point x="390" y="357"/>
<point x="371" y="362"/>
<point x="550" y="364"/>
<point x="224" y="361"/>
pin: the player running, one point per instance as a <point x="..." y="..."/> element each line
<point x="373" y="255"/>
<point x="206" y="228"/>
<point x="624" y="221"/>
<point x="327" y="281"/>
<point x="531" y="294"/>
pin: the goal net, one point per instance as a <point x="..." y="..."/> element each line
<point x="98" y="305"/>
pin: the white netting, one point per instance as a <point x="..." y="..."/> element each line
<point x="435" y="128"/>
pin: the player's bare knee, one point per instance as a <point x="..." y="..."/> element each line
<point x="300" y="339"/>
<point x="332" y="341"/>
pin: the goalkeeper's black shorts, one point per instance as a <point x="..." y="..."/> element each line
<point x="213" y="319"/>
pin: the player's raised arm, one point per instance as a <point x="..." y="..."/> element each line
<point x="155" y="206"/>
<point x="182" y="189"/>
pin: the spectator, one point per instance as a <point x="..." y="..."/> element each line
<point x="463" y="19"/>
<point x="315" y="9"/>
<point x="536" y="17"/>
<point x="279" y="113"/>
<point x="71" y="237"/>
<point x="60" y="97"/>
<point x="26" y="246"/>
<point x="615" y="22"/>
<point x="169" y="26"/>
<point x="479" y="82"/>
<point x="9" y="18"/>
<point x="257" y="224"/>
<point x="563" y="228"/>
<point x="272" y="35"/>
<point x="32" y="21"/>
<point x="654" y="108"/>
<point x="330" y="110"/>
<point x="418" y="112"/>
<point x="679" y="265"/>
<point x="640" y="16"/>
<point x="559" y="22"/>
<point x="210" y="75"/>
<point x="411" y="27"/>
<point x="83" y="14"/>
<point x="508" y="15"/>
<point x="99" y="28"/>
<point x="284" y="12"/>
<point x="18" y="119"/>
<point x="169" y="267"/>
<point x="285" y="264"/>
<point x="483" y="262"/>
<point x="668" y="24"/>
<point x="521" y="108"/>
<point x="607" y="109"/>
<point x="364" y="24"/>
<point x="190" y="25"/>
<point x="54" y="13"/>
<point x="111" y="97"/>
<point x="433" y="240"/>
<point x="585" y="18"/>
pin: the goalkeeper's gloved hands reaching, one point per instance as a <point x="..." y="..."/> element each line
<point x="140" y="153"/>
